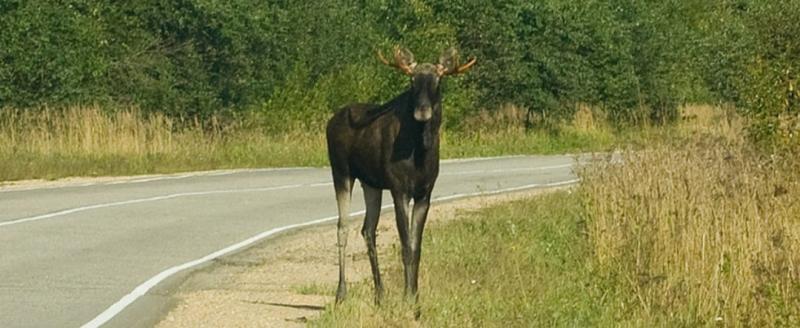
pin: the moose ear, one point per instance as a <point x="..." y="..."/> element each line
<point x="448" y="60"/>
<point x="404" y="57"/>
<point x="449" y="64"/>
<point x="403" y="60"/>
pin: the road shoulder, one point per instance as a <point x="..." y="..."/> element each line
<point x="287" y="280"/>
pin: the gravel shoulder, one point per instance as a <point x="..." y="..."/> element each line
<point x="287" y="280"/>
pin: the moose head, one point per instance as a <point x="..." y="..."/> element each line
<point x="425" y="87"/>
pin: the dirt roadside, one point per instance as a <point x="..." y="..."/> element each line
<point x="287" y="280"/>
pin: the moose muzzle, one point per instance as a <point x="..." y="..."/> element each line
<point x="423" y="113"/>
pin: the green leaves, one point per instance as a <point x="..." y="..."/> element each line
<point x="636" y="60"/>
<point x="752" y="45"/>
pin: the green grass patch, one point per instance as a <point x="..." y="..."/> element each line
<point x="314" y="289"/>
<point x="497" y="143"/>
<point x="520" y="264"/>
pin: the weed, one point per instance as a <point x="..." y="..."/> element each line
<point x="703" y="233"/>
<point x="314" y="289"/>
<point x="698" y="229"/>
<point x="519" y="264"/>
<point x="89" y="141"/>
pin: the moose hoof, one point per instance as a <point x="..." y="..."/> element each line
<point x="341" y="292"/>
<point x="378" y="294"/>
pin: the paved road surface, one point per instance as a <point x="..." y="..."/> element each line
<point x="75" y="255"/>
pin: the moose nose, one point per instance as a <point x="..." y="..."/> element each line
<point x="423" y="113"/>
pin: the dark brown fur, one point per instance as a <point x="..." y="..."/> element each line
<point x="395" y="147"/>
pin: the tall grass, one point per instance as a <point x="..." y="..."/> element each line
<point x="513" y="130"/>
<point x="519" y="264"/>
<point x="703" y="230"/>
<point x="90" y="141"/>
<point x="705" y="233"/>
<point x="86" y="141"/>
<point x="699" y="230"/>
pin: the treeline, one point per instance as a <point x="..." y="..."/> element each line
<point x="637" y="60"/>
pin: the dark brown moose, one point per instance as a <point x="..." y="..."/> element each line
<point x="392" y="146"/>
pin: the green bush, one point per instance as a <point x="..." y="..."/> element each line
<point x="639" y="61"/>
<point x="769" y="67"/>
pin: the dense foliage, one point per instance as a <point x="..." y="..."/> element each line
<point x="638" y="60"/>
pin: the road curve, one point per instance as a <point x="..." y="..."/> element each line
<point x="99" y="254"/>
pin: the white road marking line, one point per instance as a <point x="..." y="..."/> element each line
<point x="512" y="189"/>
<point x="537" y="168"/>
<point x="141" y="179"/>
<point x="480" y="159"/>
<point x="213" y="173"/>
<point x="213" y="192"/>
<point x="152" y="199"/>
<point x="142" y="289"/>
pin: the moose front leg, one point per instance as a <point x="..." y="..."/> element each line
<point x="401" y="211"/>
<point x="417" y="225"/>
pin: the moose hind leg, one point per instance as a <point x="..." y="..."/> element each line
<point x="344" y="189"/>
<point x="372" y="198"/>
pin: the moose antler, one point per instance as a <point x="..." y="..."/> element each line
<point x="465" y="67"/>
<point x="455" y="69"/>
<point x="402" y="61"/>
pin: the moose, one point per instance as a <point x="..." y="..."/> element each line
<point x="392" y="146"/>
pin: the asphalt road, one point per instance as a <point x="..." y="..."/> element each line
<point x="105" y="253"/>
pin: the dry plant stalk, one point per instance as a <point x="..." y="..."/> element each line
<point x="506" y="118"/>
<point x="708" y="231"/>
<point x="52" y="143"/>
<point x="86" y="130"/>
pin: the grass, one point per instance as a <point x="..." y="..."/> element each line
<point x="313" y="289"/>
<point x="697" y="231"/>
<point x="701" y="234"/>
<point x="88" y="141"/>
<point x="689" y="227"/>
<point x="497" y="143"/>
<point x="50" y="144"/>
<point x="521" y="264"/>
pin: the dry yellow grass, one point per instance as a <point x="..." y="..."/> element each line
<point x="511" y="118"/>
<point x="712" y="120"/>
<point x="704" y="232"/>
<point x="91" y="141"/>
<point x="587" y="118"/>
<point x="507" y="118"/>
<point x="87" y="141"/>
<point x="696" y="230"/>
<point x="89" y="130"/>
